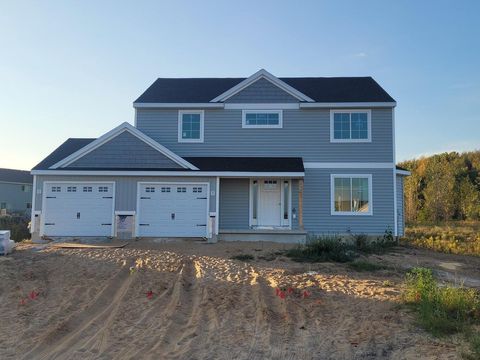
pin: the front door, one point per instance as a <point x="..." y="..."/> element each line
<point x="270" y="203"/>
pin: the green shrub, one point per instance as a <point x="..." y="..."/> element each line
<point x="322" y="248"/>
<point x="243" y="257"/>
<point x="18" y="226"/>
<point x="441" y="310"/>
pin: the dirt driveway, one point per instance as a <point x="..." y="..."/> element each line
<point x="189" y="300"/>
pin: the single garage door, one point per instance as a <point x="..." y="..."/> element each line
<point x="172" y="210"/>
<point x="78" y="209"/>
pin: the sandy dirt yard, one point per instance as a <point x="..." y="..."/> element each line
<point x="189" y="300"/>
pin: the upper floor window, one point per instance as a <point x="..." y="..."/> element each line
<point x="262" y="119"/>
<point x="190" y="125"/>
<point x="351" y="194"/>
<point x="350" y="126"/>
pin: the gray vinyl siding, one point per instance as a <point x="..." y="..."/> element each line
<point x="262" y="91"/>
<point x="15" y="199"/>
<point x="125" y="187"/>
<point x="234" y="204"/>
<point x="305" y="133"/>
<point x="400" y="206"/>
<point x="125" y="151"/>
<point x="317" y="204"/>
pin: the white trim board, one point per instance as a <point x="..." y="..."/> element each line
<point x="263" y="106"/>
<point x="115" y="132"/>
<point x="403" y="172"/>
<point x="302" y="105"/>
<point x="177" y="105"/>
<point x="347" y="104"/>
<point x="237" y="174"/>
<point x="262" y="74"/>
<point x="348" y="165"/>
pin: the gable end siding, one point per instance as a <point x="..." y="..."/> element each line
<point x="262" y="91"/>
<point x="125" y="151"/>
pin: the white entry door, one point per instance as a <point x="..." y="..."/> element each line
<point x="172" y="210"/>
<point x="270" y="203"/>
<point x="78" y="209"/>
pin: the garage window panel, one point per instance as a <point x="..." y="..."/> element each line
<point x="87" y="189"/>
<point x="71" y="189"/>
<point x="181" y="189"/>
<point x="103" y="189"/>
<point x="150" y="189"/>
<point x="165" y="189"/>
<point x="56" y="189"/>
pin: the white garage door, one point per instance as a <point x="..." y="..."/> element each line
<point x="78" y="209"/>
<point x="172" y="210"/>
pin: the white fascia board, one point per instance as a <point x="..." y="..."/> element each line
<point x="348" y="165"/>
<point x="347" y="105"/>
<point x="115" y="132"/>
<point x="169" y="173"/>
<point x="265" y="106"/>
<point x="262" y="73"/>
<point x="177" y="105"/>
<point x="403" y="172"/>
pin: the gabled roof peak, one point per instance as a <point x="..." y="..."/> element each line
<point x="262" y="74"/>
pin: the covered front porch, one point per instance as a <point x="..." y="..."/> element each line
<point x="268" y="208"/>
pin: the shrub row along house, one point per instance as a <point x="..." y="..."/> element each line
<point x="232" y="158"/>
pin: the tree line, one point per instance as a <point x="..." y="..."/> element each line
<point x="443" y="187"/>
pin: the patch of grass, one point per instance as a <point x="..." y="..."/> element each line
<point x="268" y="257"/>
<point x="453" y="238"/>
<point x="322" y="248"/>
<point x="362" y="265"/>
<point x="474" y="347"/>
<point x="243" y="257"/>
<point x="441" y="310"/>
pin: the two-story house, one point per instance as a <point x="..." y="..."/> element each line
<point x="232" y="158"/>
<point x="15" y="192"/>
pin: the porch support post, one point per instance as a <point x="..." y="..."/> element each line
<point x="300" y="204"/>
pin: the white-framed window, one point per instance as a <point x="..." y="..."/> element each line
<point x="262" y="119"/>
<point x="103" y="189"/>
<point x="181" y="189"/>
<point x="197" y="189"/>
<point x="350" y="126"/>
<point x="165" y="189"/>
<point x="71" y="189"/>
<point x="56" y="189"/>
<point x="190" y="125"/>
<point x="26" y="188"/>
<point x="351" y="194"/>
<point x="87" y="189"/>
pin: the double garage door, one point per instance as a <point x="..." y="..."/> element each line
<point x="163" y="209"/>
<point x="172" y="210"/>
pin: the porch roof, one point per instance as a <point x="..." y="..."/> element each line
<point x="248" y="164"/>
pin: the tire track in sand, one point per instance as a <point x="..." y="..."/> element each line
<point x="84" y="326"/>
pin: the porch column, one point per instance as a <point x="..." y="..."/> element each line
<point x="300" y="204"/>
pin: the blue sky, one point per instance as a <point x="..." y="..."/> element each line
<point x="73" y="68"/>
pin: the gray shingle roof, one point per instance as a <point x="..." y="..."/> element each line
<point x="16" y="176"/>
<point x="67" y="148"/>
<point x="264" y="164"/>
<point x="320" y="89"/>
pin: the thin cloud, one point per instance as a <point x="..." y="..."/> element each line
<point x="360" y="55"/>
